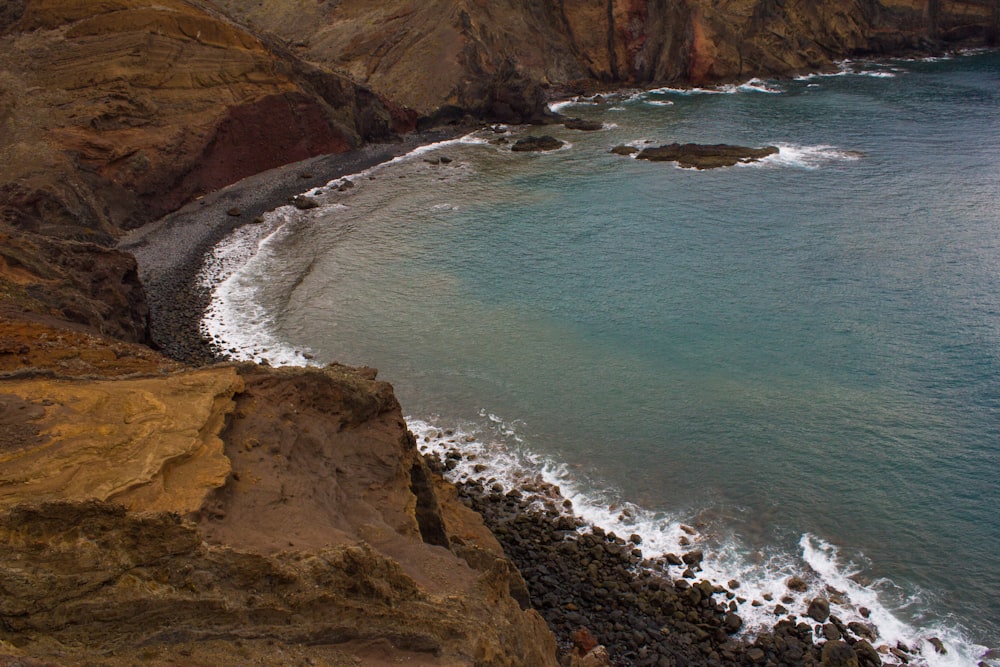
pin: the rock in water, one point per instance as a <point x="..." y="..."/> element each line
<point x="704" y="156"/>
<point x="583" y="125"/>
<point x="624" y="150"/>
<point x="537" y="144"/>
<point x="303" y="202"/>
<point x="819" y="610"/>
<point x="839" y="654"/>
<point x="797" y="584"/>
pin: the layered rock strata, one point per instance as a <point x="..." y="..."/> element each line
<point x="236" y="514"/>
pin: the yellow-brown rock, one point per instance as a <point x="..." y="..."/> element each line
<point x="148" y="443"/>
<point x="322" y="539"/>
<point x="33" y="348"/>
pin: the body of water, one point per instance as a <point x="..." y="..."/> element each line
<point x="798" y="358"/>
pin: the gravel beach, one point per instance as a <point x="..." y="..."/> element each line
<point x="170" y="251"/>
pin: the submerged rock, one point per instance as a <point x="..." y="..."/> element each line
<point x="537" y="144"/>
<point x="583" y="125"/>
<point x="624" y="150"/>
<point x="705" y="156"/>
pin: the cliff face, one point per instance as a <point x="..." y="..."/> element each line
<point x="479" y="55"/>
<point x="141" y="106"/>
<point x="235" y="514"/>
<point x="153" y="513"/>
<point x="113" y="113"/>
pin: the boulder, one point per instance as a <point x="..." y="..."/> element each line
<point x="583" y="125"/>
<point x="304" y="203"/>
<point x="867" y="655"/>
<point x="693" y="557"/>
<point x="703" y="156"/>
<point x="819" y="610"/>
<point x="861" y="630"/>
<point x="624" y="150"/>
<point x="537" y="144"/>
<point x="838" y="654"/>
<point x="733" y="623"/>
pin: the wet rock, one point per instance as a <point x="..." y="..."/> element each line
<point x="303" y="203"/>
<point x="624" y="150"/>
<point x="900" y="655"/>
<point x="693" y="557"/>
<point x="703" y="156"/>
<point x="583" y="125"/>
<point x="861" y="630"/>
<point x="733" y="623"/>
<point x="867" y="655"/>
<point x="537" y="144"/>
<point x="838" y="654"/>
<point x="797" y="584"/>
<point x="234" y="212"/>
<point x="938" y="645"/>
<point x="819" y="610"/>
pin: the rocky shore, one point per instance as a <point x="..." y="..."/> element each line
<point x="170" y="252"/>
<point x="593" y="589"/>
<point x="161" y="507"/>
<point x="649" y="611"/>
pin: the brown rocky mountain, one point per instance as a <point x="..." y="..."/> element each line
<point x="487" y="57"/>
<point x="157" y="513"/>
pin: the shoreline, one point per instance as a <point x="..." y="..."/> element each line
<point x="170" y="252"/>
<point x="176" y="266"/>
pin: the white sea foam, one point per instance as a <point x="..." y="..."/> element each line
<point x="557" y="107"/>
<point x="235" y="323"/>
<point x="760" y="86"/>
<point x="821" y="75"/>
<point x="856" y="68"/>
<point x="667" y="90"/>
<point x="807" y="157"/>
<point x="752" y="86"/>
<point x="495" y="453"/>
<point x="824" y="559"/>
<point x="659" y="103"/>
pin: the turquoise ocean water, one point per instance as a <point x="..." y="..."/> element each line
<point x="799" y="358"/>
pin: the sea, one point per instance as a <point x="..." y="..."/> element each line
<point x="793" y="364"/>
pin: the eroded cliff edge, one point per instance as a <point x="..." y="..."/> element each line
<point x="153" y="511"/>
<point x="150" y="511"/>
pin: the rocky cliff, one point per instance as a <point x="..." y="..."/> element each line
<point x="113" y="113"/>
<point x="493" y="57"/>
<point x="157" y="513"/>
<point x="233" y="514"/>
